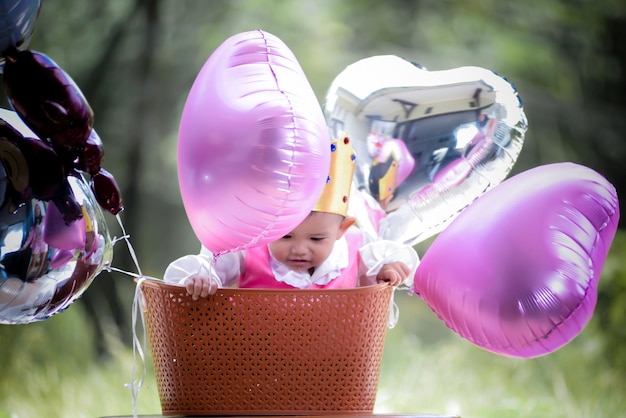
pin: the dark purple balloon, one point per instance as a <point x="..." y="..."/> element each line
<point x="48" y="100"/>
<point x="45" y="168"/>
<point x="90" y="158"/>
<point x="106" y="191"/>
<point x="33" y="167"/>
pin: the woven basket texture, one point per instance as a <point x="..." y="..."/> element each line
<point x="266" y="352"/>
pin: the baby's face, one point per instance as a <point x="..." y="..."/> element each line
<point x="310" y="243"/>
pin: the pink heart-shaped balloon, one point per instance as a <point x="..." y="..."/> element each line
<point x="516" y="273"/>
<point x="461" y="130"/>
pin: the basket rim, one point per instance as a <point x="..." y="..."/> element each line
<point x="159" y="284"/>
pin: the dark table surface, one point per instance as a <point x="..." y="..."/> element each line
<point x="294" y="416"/>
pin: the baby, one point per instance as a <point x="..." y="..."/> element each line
<point x="324" y="251"/>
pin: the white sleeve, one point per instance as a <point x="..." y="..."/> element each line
<point x="376" y="254"/>
<point x="225" y="271"/>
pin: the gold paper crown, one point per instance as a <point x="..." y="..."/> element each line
<point x="336" y="193"/>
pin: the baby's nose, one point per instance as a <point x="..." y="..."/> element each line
<point x="298" y="248"/>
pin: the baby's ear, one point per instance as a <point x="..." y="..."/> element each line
<point x="346" y="223"/>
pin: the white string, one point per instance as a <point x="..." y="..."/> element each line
<point x="210" y="273"/>
<point x="137" y="310"/>
<point x="128" y="273"/>
<point x="394" y="310"/>
<point x="135" y="385"/>
<point x="131" y="250"/>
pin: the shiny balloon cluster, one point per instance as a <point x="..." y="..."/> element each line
<point x="516" y="264"/>
<point x="53" y="239"/>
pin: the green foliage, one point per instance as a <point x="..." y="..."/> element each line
<point x="49" y="369"/>
<point x="456" y="378"/>
<point x="610" y="314"/>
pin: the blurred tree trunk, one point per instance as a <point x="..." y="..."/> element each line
<point x="596" y="126"/>
<point x="145" y="79"/>
<point x="103" y="297"/>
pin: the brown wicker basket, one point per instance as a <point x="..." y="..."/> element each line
<point x="266" y="352"/>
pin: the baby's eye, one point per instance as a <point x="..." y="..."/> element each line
<point x="317" y="239"/>
<point x="286" y="236"/>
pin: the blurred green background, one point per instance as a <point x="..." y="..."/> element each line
<point x="135" y="62"/>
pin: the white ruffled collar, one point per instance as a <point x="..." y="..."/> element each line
<point x="323" y="274"/>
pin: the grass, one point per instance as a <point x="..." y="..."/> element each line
<point x="448" y="375"/>
<point x="47" y="369"/>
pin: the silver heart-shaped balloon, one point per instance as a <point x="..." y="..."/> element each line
<point x="428" y="143"/>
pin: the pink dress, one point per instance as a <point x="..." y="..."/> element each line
<point x="258" y="272"/>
